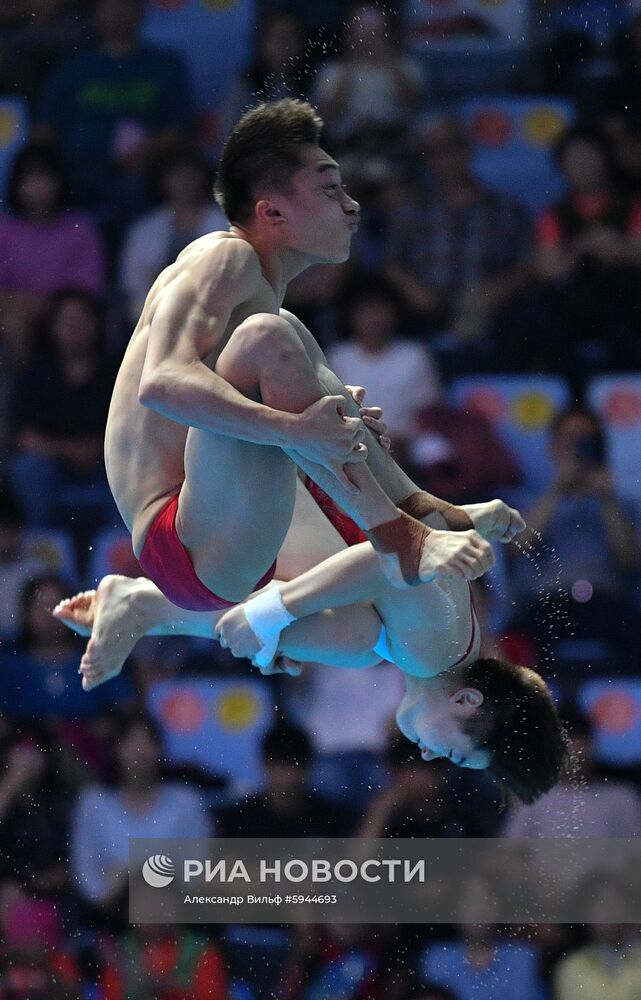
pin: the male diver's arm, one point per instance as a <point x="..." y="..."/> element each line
<point x="188" y="324"/>
<point x="175" y="380"/>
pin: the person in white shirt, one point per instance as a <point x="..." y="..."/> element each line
<point x="186" y="211"/>
<point x="399" y="373"/>
<point x="140" y="804"/>
<point x="373" y="85"/>
<point x="582" y="804"/>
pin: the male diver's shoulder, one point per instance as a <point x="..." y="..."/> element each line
<point x="234" y="259"/>
<point x="223" y="270"/>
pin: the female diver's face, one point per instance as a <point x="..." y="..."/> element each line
<point x="431" y="715"/>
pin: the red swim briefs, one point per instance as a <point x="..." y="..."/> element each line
<point x="166" y="561"/>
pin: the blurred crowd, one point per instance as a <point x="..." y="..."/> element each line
<point x="112" y="113"/>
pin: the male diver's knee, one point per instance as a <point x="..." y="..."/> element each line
<point x="257" y="344"/>
<point x="265" y="332"/>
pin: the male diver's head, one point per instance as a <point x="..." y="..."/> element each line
<point x="275" y="181"/>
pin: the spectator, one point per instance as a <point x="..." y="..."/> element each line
<point x="62" y="400"/>
<point x="215" y="41"/>
<point x="33" y="810"/>
<point x="624" y="133"/>
<point x="458" y="455"/>
<point x="313" y="297"/>
<point x="334" y="960"/>
<point x="583" y="804"/>
<point x="398" y="373"/>
<point x="609" y="963"/>
<point x="17" y="564"/>
<point x="111" y="106"/>
<point x="168" y="963"/>
<point x="39" y="670"/>
<point x="45" y="247"/>
<point x="183" y="179"/>
<point x="287" y="808"/>
<point x="617" y="99"/>
<point x="553" y="941"/>
<point x="282" y="67"/>
<point x="573" y="43"/>
<point x="481" y="966"/>
<point x="35" y="964"/>
<point x="582" y="541"/>
<point x="51" y="29"/>
<point x="381" y="187"/>
<point x="349" y="762"/>
<point x="139" y="804"/>
<point x="367" y="97"/>
<point x="421" y="801"/>
<point x="587" y="304"/>
<point x="458" y="252"/>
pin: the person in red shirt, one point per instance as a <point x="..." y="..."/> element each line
<point x="166" y="963"/>
<point x="588" y="256"/>
<point x="581" y="309"/>
<point x="598" y="223"/>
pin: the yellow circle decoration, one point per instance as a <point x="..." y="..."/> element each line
<point x="236" y="709"/>
<point x="532" y="411"/>
<point x="9" y="126"/>
<point x="542" y="126"/>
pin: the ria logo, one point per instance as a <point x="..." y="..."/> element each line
<point x="158" y="871"/>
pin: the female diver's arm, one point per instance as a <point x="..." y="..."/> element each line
<point x="349" y="579"/>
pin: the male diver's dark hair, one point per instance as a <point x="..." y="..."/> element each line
<point x="518" y="725"/>
<point x="263" y="151"/>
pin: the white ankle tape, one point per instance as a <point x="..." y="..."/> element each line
<point x="267" y="616"/>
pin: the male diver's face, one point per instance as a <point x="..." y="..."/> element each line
<point x="320" y="216"/>
<point x="431" y="716"/>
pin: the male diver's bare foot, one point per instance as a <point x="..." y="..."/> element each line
<point x="410" y="553"/>
<point x="115" y="612"/>
<point x="77" y="612"/>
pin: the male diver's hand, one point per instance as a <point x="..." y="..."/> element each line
<point x="372" y="416"/>
<point x="324" y="435"/>
<point x="495" y="521"/>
